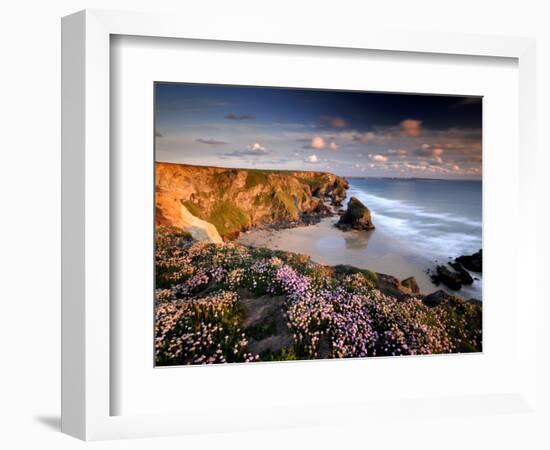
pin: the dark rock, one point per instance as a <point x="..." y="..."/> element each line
<point x="436" y="298"/>
<point x="465" y="277"/>
<point x="449" y="278"/>
<point x="356" y="217"/>
<point x="474" y="301"/>
<point x="472" y="262"/>
<point x="264" y="323"/>
<point x="411" y="284"/>
<point x="390" y="285"/>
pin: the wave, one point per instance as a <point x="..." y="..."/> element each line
<point x="433" y="234"/>
<point x="398" y="206"/>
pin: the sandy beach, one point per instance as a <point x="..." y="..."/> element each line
<point x="373" y="250"/>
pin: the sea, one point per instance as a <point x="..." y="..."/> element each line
<point x="439" y="218"/>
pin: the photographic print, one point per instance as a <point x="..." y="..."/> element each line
<point x="299" y="224"/>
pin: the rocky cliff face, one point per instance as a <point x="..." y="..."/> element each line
<point x="232" y="200"/>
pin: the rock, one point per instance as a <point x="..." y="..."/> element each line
<point x="472" y="262"/>
<point x="411" y="284"/>
<point x="356" y="217"/>
<point x="390" y="285"/>
<point x="465" y="277"/>
<point x="474" y="301"/>
<point x="264" y="323"/>
<point x="449" y="278"/>
<point x="436" y="298"/>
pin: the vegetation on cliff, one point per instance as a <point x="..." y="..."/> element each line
<point x="227" y="302"/>
<point x="234" y="200"/>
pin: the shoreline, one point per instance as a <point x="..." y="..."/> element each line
<point x="372" y="250"/>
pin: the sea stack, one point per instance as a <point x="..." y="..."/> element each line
<point x="356" y="217"/>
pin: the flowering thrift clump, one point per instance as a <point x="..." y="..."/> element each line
<point x="329" y="314"/>
<point x="198" y="331"/>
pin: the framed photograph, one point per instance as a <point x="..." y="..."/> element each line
<point x="266" y="246"/>
<point x="269" y="230"/>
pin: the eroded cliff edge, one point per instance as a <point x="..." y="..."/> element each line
<point x="213" y="203"/>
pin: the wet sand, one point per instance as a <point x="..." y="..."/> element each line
<point x="371" y="250"/>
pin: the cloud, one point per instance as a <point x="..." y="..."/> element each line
<point x="251" y="150"/>
<point x="210" y="141"/>
<point x="338" y="122"/>
<point x="312" y="159"/>
<point x="411" y="127"/>
<point x="239" y="117"/>
<point x="379" y="158"/>
<point x="158" y="134"/>
<point x="398" y="152"/>
<point x="320" y="143"/>
<point x="257" y="149"/>
<point x="334" y="122"/>
<point x="364" y="138"/>
<point x="429" y="151"/>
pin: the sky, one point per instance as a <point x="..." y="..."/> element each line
<point x="361" y="134"/>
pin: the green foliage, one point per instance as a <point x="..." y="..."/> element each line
<point x="192" y="208"/>
<point x="313" y="183"/>
<point x="285" y="354"/>
<point x="287" y="202"/>
<point x="263" y="199"/>
<point x="256" y="177"/>
<point x="228" y="218"/>
<point x="343" y="269"/>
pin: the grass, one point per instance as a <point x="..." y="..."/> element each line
<point x="255" y="177"/>
<point x="344" y="269"/>
<point x="285" y="354"/>
<point x="287" y="201"/>
<point x="228" y="218"/>
<point x="263" y="199"/>
<point x="313" y="183"/>
<point x="192" y="208"/>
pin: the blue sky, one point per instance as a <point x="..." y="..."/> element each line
<point x="347" y="133"/>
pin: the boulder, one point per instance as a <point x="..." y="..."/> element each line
<point x="411" y="284"/>
<point x="356" y="217"/>
<point x="448" y="277"/>
<point x="465" y="277"/>
<point x="474" y="301"/>
<point x="472" y="262"/>
<point x="436" y="298"/>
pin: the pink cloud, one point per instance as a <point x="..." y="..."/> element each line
<point x="338" y="122"/>
<point x="411" y="127"/>
<point x="318" y="143"/>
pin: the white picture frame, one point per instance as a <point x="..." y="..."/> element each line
<point x="86" y="247"/>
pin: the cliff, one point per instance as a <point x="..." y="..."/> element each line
<point x="212" y="203"/>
